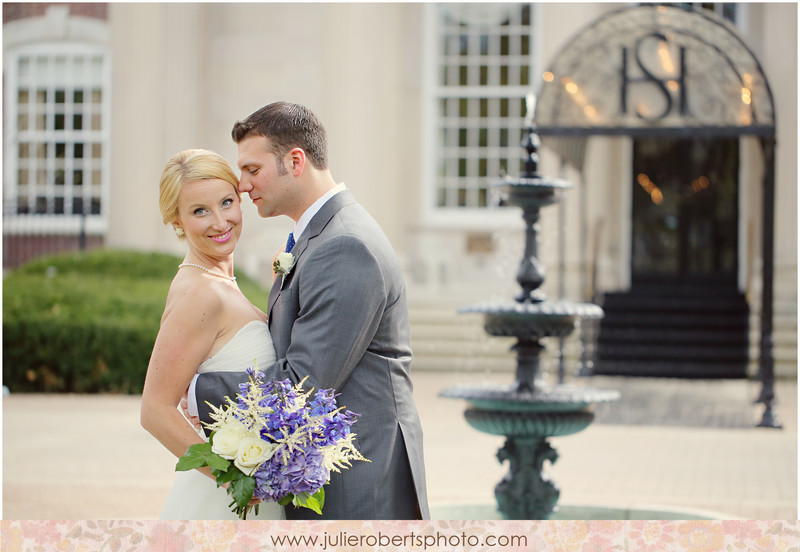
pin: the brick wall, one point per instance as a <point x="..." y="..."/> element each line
<point x="19" y="10"/>
<point x="18" y="250"/>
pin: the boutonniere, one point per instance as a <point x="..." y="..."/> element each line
<point x="283" y="264"/>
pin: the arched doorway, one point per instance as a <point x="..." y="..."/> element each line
<point x="686" y="90"/>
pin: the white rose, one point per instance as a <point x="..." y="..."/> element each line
<point x="253" y="451"/>
<point x="227" y="439"/>
<point x="284" y="263"/>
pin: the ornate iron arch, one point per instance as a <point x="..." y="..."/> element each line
<point x="664" y="71"/>
<point x="656" y="71"/>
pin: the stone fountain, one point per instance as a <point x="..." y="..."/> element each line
<point x="530" y="411"/>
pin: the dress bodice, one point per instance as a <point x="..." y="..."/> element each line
<point x="251" y="346"/>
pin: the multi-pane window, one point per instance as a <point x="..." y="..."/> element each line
<point x="57" y="135"/>
<point x="484" y="74"/>
<point x="726" y="10"/>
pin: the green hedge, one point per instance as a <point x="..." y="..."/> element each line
<point x="86" y="322"/>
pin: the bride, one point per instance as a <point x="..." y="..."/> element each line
<point x="208" y="324"/>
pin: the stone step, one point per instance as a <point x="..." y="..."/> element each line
<point x="676" y="320"/>
<point x="781" y="353"/>
<point x="661" y="369"/>
<point x="634" y="303"/>
<point x="443" y="339"/>
<point x="457" y="364"/>
<point x="661" y="336"/>
<point x="481" y="347"/>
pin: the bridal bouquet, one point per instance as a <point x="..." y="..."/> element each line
<point x="276" y="443"/>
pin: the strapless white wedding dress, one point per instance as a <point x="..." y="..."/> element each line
<point x="194" y="495"/>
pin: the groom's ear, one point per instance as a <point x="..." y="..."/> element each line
<point x="297" y="161"/>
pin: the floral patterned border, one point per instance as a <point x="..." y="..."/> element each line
<point x="506" y="536"/>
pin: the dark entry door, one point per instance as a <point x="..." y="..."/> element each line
<point x="685" y="211"/>
<point x="684" y="315"/>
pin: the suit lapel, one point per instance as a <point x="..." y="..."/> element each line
<point x="318" y="223"/>
<point x="315" y="227"/>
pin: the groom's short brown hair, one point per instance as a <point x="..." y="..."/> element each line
<point x="286" y="126"/>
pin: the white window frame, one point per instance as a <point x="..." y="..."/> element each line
<point x="31" y="223"/>
<point x="489" y="217"/>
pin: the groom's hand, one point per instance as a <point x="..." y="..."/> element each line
<point x="194" y="420"/>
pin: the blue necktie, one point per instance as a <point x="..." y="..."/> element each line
<point x="290" y="242"/>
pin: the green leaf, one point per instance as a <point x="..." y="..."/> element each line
<point x="195" y="457"/>
<point x="199" y="448"/>
<point x="186" y="463"/>
<point x="242" y="490"/>
<point x="311" y="502"/>
<point x="217" y="462"/>
<point x="286" y="500"/>
<point x="200" y="455"/>
<point x="226" y="476"/>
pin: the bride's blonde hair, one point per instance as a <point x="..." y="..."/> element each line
<point x="188" y="166"/>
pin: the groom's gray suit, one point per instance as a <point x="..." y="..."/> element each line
<point x="341" y="317"/>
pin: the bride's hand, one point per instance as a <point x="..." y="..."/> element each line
<point x="194" y="420"/>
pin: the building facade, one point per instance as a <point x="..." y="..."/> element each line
<point x="425" y="106"/>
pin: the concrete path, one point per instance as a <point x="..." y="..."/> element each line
<point x="688" y="448"/>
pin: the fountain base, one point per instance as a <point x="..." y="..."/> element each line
<point x="523" y="493"/>
<point x="527" y="418"/>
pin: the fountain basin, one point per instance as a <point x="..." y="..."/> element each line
<point x="520" y="425"/>
<point x="540" y="412"/>
<point x="527" y="192"/>
<point x="533" y="320"/>
<point x="559" y="398"/>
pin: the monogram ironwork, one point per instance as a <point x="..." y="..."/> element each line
<point x="649" y="76"/>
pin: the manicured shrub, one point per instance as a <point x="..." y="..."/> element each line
<point x="86" y="322"/>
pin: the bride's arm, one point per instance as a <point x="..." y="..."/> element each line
<point x="190" y="325"/>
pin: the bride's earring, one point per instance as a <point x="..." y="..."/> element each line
<point x="180" y="232"/>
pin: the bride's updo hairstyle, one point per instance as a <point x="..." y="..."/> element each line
<point x="189" y="166"/>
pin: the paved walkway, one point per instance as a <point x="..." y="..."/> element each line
<point x="668" y="444"/>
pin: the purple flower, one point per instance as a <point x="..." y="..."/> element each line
<point x="279" y="419"/>
<point x="282" y="390"/>
<point x="302" y="472"/>
<point x="323" y="403"/>
<point x="334" y="428"/>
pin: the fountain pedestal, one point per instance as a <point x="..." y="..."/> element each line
<point x="528" y="415"/>
<point x="529" y="412"/>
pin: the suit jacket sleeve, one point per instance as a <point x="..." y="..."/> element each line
<point x="213" y="387"/>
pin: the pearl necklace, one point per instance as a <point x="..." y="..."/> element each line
<point x="212" y="272"/>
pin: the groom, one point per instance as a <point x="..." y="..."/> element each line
<point x="339" y="316"/>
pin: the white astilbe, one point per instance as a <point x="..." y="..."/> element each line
<point x="340" y="454"/>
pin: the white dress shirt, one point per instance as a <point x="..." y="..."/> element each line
<point x="309" y="213"/>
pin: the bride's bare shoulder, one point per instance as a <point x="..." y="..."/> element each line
<point x="192" y="296"/>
